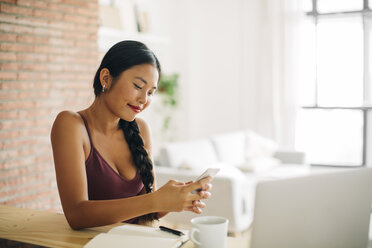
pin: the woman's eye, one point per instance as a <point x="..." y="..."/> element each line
<point x="138" y="87"/>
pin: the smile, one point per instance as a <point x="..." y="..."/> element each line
<point x="135" y="108"/>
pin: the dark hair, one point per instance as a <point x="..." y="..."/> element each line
<point x="122" y="56"/>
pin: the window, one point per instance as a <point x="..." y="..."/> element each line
<point x="335" y="91"/>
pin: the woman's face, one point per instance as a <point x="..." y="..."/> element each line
<point x="132" y="92"/>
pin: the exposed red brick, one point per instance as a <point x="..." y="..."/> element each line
<point x="7" y="56"/>
<point x="48" y="15"/>
<point x="48" y="57"/>
<point x="13" y="9"/>
<point x="14" y="143"/>
<point x="31" y="21"/>
<point x="7" y="37"/>
<point x="4" y="75"/>
<point x="16" y="47"/>
<point x="32" y="57"/>
<point x="31" y="3"/>
<point x="9" y="1"/>
<point x="7" y="18"/>
<point x="8" y="66"/>
<point x="77" y="3"/>
<point x="6" y="115"/>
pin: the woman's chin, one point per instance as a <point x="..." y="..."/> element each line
<point x="128" y="118"/>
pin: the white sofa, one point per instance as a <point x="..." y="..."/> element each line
<point x="244" y="157"/>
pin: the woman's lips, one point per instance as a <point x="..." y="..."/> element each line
<point x="135" y="108"/>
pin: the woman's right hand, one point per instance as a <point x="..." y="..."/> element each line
<point x="176" y="196"/>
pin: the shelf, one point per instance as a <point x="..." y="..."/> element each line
<point x="107" y="37"/>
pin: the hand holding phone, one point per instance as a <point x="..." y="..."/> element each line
<point x="209" y="172"/>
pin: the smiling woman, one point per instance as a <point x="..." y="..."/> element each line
<point x="102" y="154"/>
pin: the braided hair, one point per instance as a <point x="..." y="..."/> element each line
<point x="140" y="158"/>
<point x="122" y="56"/>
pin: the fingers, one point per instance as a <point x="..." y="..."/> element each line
<point x="173" y="181"/>
<point x="199" y="184"/>
<point x="205" y="194"/>
<point x="207" y="187"/>
<point x="194" y="209"/>
<point x="198" y="204"/>
<point x="197" y="207"/>
<point x="179" y="183"/>
<point x="199" y="196"/>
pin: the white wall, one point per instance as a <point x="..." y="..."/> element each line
<point x="231" y="56"/>
<point x="205" y="47"/>
<point x="223" y="51"/>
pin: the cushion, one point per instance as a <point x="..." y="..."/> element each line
<point x="195" y="153"/>
<point x="260" y="164"/>
<point x="258" y="146"/>
<point x="230" y="147"/>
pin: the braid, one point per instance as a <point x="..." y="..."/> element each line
<point x="140" y="158"/>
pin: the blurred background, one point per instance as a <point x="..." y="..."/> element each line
<point x="296" y="72"/>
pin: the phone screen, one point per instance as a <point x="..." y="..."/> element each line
<point x="209" y="172"/>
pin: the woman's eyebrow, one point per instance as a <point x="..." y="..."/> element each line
<point x="143" y="80"/>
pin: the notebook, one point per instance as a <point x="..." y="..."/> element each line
<point x="137" y="236"/>
<point x="320" y="210"/>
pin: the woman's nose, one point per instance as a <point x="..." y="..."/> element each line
<point x="143" y="98"/>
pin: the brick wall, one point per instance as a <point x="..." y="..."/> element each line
<point x="48" y="57"/>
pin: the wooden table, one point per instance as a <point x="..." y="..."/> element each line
<point x="52" y="230"/>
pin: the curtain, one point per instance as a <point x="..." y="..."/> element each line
<point x="271" y="59"/>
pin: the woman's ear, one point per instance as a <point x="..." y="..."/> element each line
<point x="105" y="78"/>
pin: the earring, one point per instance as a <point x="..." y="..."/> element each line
<point x="103" y="88"/>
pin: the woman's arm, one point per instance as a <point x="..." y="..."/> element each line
<point x="67" y="142"/>
<point x="69" y="159"/>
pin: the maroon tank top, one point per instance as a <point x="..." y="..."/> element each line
<point x="106" y="184"/>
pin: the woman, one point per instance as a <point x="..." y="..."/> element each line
<point x="102" y="154"/>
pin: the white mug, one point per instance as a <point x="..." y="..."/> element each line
<point x="209" y="231"/>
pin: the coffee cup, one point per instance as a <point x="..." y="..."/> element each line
<point x="209" y="231"/>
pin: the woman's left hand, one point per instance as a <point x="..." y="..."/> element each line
<point x="198" y="205"/>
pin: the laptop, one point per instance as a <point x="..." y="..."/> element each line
<point x="322" y="210"/>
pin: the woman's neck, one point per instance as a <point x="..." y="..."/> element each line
<point x="102" y="118"/>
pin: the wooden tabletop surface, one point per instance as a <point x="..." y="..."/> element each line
<point x="52" y="230"/>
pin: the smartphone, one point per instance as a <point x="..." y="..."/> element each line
<point x="209" y="172"/>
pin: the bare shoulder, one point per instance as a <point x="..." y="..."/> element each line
<point x="143" y="126"/>
<point x="145" y="132"/>
<point x="67" y="121"/>
<point x="67" y="115"/>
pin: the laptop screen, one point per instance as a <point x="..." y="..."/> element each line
<point x="329" y="209"/>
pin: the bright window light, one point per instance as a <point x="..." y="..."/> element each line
<point x="325" y="6"/>
<point x="307" y="5"/>
<point x="332" y="137"/>
<point x="307" y="69"/>
<point x="368" y="22"/>
<point x="340" y="61"/>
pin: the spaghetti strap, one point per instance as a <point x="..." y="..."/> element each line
<point x="87" y="128"/>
